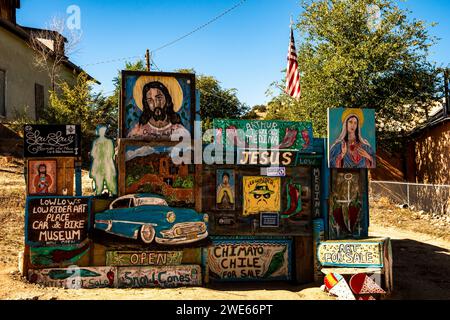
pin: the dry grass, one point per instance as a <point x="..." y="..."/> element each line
<point x="384" y="213"/>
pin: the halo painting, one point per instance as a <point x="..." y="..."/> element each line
<point x="351" y="138"/>
<point x="42" y="177"/>
<point x="156" y="106"/>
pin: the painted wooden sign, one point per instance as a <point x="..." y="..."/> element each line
<point x="249" y="260"/>
<point x="261" y="194"/>
<point x="351" y="134"/>
<point x="150" y="169"/>
<point x="61" y="256"/>
<point x="144" y="258"/>
<point x="54" y="221"/>
<point x="316" y="190"/>
<point x="157" y="106"/>
<point x="225" y="189"/>
<point x="42" y="177"/>
<point x="160" y="277"/>
<point x="348" y="216"/>
<point x="351" y="254"/>
<point x="292" y="200"/>
<point x="75" y="278"/>
<point x="43" y="141"/>
<point x="273" y="134"/>
<point x="266" y="158"/>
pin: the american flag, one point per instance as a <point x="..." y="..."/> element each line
<point x="292" y="75"/>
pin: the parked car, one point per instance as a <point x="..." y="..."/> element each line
<point x="148" y="217"/>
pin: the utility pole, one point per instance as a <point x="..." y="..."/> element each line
<point x="447" y="102"/>
<point x="147" y="58"/>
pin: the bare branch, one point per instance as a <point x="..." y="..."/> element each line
<point x="52" y="46"/>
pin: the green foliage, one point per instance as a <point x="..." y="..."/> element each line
<point x="346" y="60"/>
<point x="21" y="118"/>
<point x="258" y="112"/>
<point x="138" y="65"/>
<point x="78" y="105"/>
<point x="136" y="172"/>
<point x="184" y="183"/>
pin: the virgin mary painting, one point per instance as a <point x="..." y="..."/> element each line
<point x="351" y="150"/>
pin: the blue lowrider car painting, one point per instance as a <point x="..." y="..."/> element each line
<point x="147" y="217"/>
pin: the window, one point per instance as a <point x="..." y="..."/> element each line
<point x="121" y="204"/>
<point x="39" y="100"/>
<point x="2" y="93"/>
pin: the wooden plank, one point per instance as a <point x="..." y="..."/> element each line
<point x="61" y="256"/>
<point x="159" y="277"/>
<point x="304" y="260"/>
<point x="192" y="256"/>
<point x="143" y="258"/>
<point x="65" y="176"/>
<point x="75" y="278"/>
<point x="98" y="255"/>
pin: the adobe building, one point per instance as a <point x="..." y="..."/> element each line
<point x="427" y="158"/>
<point x="24" y="88"/>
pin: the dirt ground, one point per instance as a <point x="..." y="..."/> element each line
<point x="421" y="259"/>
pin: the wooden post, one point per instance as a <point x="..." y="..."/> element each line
<point x="147" y="58"/>
<point x="447" y="102"/>
<point x="304" y="260"/>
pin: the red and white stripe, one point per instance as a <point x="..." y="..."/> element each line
<point x="292" y="74"/>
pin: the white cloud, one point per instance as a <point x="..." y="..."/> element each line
<point x="141" y="152"/>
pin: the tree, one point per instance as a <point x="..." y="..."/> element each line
<point x="111" y="104"/>
<point x="51" y="47"/>
<point x="351" y="57"/>
<point x="216" y="101"/>
<point x="258" y="112"/>
<point x="76" y="104"/>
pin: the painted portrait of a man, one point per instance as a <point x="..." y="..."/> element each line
<point x="158" y="108"/>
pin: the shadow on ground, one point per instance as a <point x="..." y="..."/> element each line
<point x="421" y="271"/>
<point x="250" y="286"/>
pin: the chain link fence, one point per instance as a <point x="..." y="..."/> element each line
<point x="416" y="196"/>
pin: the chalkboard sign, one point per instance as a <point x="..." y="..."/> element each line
<point x="53" y="221"/>
<point x="41" y="141"/>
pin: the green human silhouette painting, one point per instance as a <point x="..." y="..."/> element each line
<point x="103" y="170"/>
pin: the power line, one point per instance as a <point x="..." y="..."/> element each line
<point x="201" y="27"/>
<point x="113" y="60"/>
<point x="173" y="41"/>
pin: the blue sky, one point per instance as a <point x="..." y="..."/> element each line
<point x="246" y="49"/>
